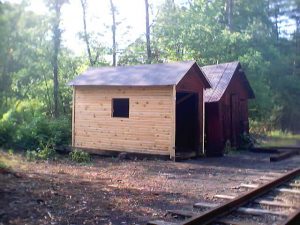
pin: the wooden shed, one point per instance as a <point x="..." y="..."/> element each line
<point x="152" y="109"/>
<point x="226" y="106"/>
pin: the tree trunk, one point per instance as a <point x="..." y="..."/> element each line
<point x="296" y="17"/>
<point x="56" y="43"/>
<point x="85" y="35"/>
<point x="229" y="11"/>
<point x="113" y="29"/>
<point x="149" y="56"/>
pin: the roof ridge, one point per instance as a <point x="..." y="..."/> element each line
<point x="215" y="88"/>
<point x="221" y="63"/>
<point x="138" y="75"/>
<point x="136" y="65"/>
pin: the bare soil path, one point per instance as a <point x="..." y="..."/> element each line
<point x="113" y="191"/>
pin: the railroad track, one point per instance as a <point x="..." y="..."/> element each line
<point x="276" y="202"/>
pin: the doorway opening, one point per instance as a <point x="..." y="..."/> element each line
<point x="187" y="124"/>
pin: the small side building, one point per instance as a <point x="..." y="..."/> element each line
<point x="152" y="109"/>
<point x="226" y="106"/>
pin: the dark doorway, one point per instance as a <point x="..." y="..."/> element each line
<point x="187" y="123"/>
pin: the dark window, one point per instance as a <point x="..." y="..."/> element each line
<point x="120" y="107"/>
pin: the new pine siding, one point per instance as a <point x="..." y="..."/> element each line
<point x="149" y="128"/>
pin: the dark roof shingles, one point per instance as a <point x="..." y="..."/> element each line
<point x="140" y="75"/>
<point x="219" y="76"/>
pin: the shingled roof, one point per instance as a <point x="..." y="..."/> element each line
<point x="219" y="76"/>
<point x="140" y="75"/>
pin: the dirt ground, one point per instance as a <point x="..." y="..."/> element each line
<point x="114" y="191"/>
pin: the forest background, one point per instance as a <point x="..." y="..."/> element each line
<point x="36" y="65"/>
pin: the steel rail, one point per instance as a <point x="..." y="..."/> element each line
<point x="224" y="209"/>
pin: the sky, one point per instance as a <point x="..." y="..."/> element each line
<point x="131" y="13"/>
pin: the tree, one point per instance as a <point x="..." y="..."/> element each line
<point x="86" y="36"/>
<point x="56" y="6"/>
<point x="149" y="57"/>
<point x="229" y="11"/>
<point x="113" y="29"/>
<point x="24" y="55"/>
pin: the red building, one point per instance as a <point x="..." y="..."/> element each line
<point x="226" y="106"/>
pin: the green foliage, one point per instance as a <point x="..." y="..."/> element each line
<point x="26" y="127"/>
<point x="3" y="165"/>
<point x="6" y="133"/>
<point x="10" y="151"/>
<point x="280" y="134"/>
<point x="31" y="155"/>
<point x="259" y="128"/>
<point x="80" y="156"/>
<point x="45" y="153"/>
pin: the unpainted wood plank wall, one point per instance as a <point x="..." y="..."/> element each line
<point x="149" y="128"/>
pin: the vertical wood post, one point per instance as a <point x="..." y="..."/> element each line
<point x="203" y="123"/>
<point x="173" y="135"/>
<point x="73" y="117"/>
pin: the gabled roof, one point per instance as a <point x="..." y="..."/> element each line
<point x="140" y="75"/>
<point x="219" y="76"/>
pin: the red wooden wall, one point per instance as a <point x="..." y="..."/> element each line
<point x="227" y="119"/>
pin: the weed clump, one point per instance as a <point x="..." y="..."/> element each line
<point x="80" y="156"/>
<point x="3" y="166"/>
<point x="46" y="153"/>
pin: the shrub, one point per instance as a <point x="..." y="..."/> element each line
<point x="6" y="133"/>
<point x="259" y="128"/>
<point x="31" y="155"/>
<point x="60" y="131"/>
<point x="45" y="153"/>
<point x="10" y="151"/>
<point x="26" y="127"/>
<point x="80" y="156"/>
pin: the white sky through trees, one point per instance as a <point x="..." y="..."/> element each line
<point x="130" y="16"/>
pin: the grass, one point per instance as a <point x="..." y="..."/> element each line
<point x="280" y="138"/>
<point x="12" y="160"/>
<point x="283" y="134"/>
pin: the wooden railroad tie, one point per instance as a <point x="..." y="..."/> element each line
<point x="181" y="213"/>
<point x="160" y="222"/>
<point x="237" y="203"/>
<point x="258" y="201"/>
<point x="245" y="210"/>
<point x="285" y="190"/>
<point x="297" y="185"/>
<point x="189" y="214"/>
